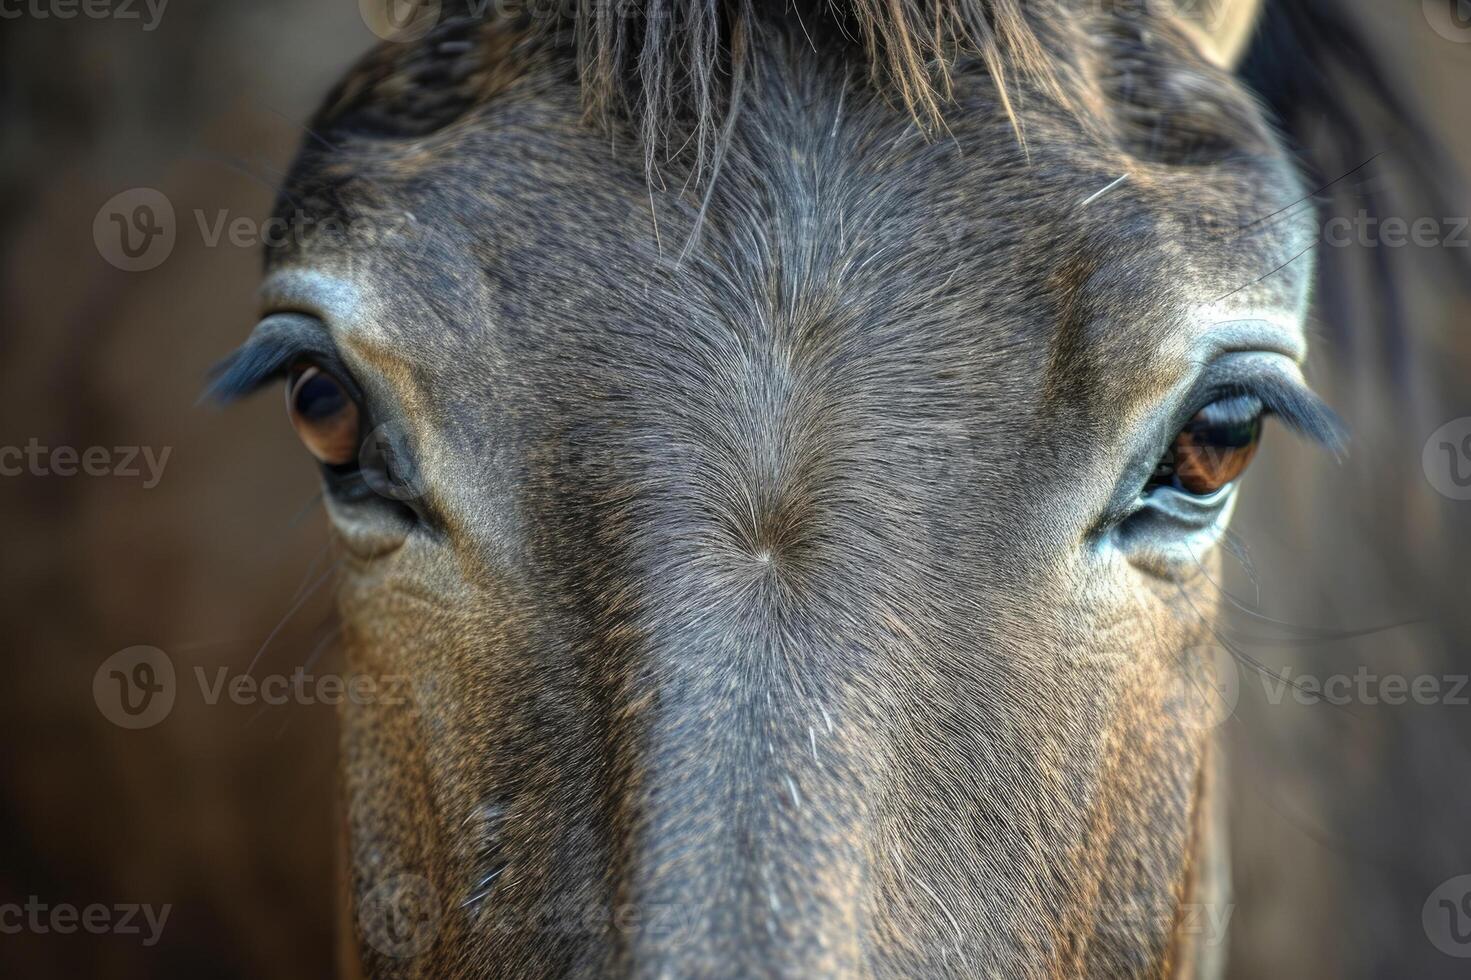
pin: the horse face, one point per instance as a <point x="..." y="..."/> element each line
<point x="803" y="572"/>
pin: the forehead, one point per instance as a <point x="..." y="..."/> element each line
<point x="517" y="243"/>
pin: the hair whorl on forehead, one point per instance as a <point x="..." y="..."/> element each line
<point x="674" y="67"/>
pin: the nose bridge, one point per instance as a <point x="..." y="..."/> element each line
<point x="760" y="740"/>
<point x="750" y="808"/>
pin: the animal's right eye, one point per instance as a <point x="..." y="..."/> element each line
<point x="1213" y="449"/>
<point x="324" y="414"/>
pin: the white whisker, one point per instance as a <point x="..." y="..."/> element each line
<point x="959" y="936"/>
<point x="1093" y="197"/>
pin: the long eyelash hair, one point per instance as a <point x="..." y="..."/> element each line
<point x="246" y="370"/>
<point x="278" y="343"/>
<point x="1304" y="412"/>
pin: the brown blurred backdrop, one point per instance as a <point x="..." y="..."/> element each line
<point x="1346" y="819"/>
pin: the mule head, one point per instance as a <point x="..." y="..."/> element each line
<point x="797" y="535"/>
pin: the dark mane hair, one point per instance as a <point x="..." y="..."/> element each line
<point x="671" y="67"/>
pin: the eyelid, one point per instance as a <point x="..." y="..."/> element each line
<point x="1258" y="334"/>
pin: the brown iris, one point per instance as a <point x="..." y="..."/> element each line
<point x="324" y="415"/>
<point x="1214" y="447"/>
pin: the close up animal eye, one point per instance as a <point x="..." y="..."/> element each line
<point x="1213" y="449"/>
<point x="1187" y="486"/>
<point x="324" y="414"/>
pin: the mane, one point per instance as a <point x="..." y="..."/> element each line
<point x="674" y="68"/>
<point x="671" y="76"/>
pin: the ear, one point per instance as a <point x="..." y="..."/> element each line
<point x="1222" y="28"/>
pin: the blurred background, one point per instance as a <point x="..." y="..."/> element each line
<point x="196" y="531"/>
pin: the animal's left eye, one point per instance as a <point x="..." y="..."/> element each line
<point x="324" y="414"/>
<point x="1213" y="449"/>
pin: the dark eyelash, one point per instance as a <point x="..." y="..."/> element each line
<point x="1299" y="409"/>
<point x="247" y="370"/>
<point x="279" y="342"/>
